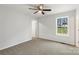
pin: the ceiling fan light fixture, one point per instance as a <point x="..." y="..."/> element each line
<point x="41" y="7"/>
<point x="39" y="11"/>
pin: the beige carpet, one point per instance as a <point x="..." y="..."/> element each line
<point x="40" y="47"/>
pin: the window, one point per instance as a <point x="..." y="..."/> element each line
<point x="62" y="26"/>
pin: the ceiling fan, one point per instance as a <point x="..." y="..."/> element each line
<point x="40" y="8"/>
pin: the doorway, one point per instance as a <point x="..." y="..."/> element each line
<point x="35" y="28"/>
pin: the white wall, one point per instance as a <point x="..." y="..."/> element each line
<point x="15" y="26"/>
<point x="77" y="26"/>
<point x="47" y="27"/>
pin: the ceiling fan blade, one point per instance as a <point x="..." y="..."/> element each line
<point x="42" y="12"/>
<point x="33" y="9"/>
<point x="35" y="12"/>
<point x="47" y="10"/>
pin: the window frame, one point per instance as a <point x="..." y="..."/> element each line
<point x="61" y="34"/>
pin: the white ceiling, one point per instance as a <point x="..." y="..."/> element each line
<point x="56" y="8"/>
